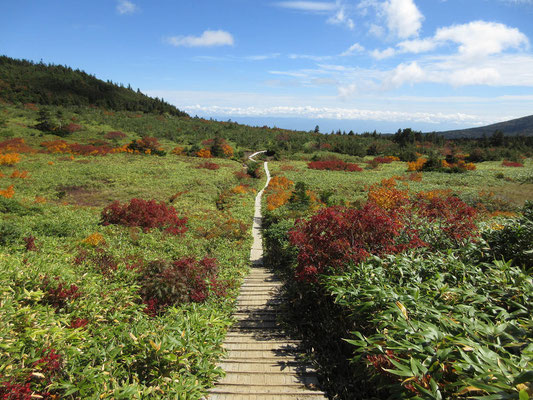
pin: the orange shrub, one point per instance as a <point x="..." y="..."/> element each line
<point x="19" y="174"/>
<point x="39" y="200"/>
<point x="416" y="165"/>
<point x="280" y="190"/>
<point x="9" y="159"/>
<point x="15" y="145"/>
<point x="227" y="150"/>
<point x="280" y="183"/>
<point x="386" y="195"/>
<point x="7" y="193"/>
<point x="204" y="153"/>
<point x="178" y="150"/>
<point x="94" y="239"/>
<point x="432" y="194"/>
<point x="242" y="189"/>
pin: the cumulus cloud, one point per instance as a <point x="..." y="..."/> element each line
<point x="206" y="39"/>
<point x="403" y="18"/>
<point x="382" y="54"/>
<point x="354" y="48"/>
<point x="480" y="38"/>
<point x="407" y="73"/>
<point x="126" y="7"/>
<point x="417" y="45"/>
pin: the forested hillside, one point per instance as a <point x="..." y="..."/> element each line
<point x="514" y="127"/>
<point x="23" y="81"/>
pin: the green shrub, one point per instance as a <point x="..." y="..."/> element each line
<point x="10" y="233"/>
<point x="12" y="206"/>
<point x="515" y="240"/>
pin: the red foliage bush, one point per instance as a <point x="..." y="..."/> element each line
<point x="115" y="135"/>
<point x="146" y="215"/>
<point x="30" y="243"/>
<point x="17" y="145"/>
<point x="104" y="262"/>
<point x="335" y="236"/>
<point x="10" y="390"/>
<point x="50" y="365"/>
<point x="506" y="163"/>
<point x="455" y="217"/>
<point x="71" y="128"/>
<point x="185" y="280"/>
<point x="334" y="165"/>
<point x="240" y="175"/>
<point x="78" y="323"/>
<point x="209" y="165"/>
<point x="58" y="295"/>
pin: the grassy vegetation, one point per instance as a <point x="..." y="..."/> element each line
<point x="395" y="291"/>
<point x="93" y="311"/>
<point x="108" y="346"/>
<point x="511" y="186"/>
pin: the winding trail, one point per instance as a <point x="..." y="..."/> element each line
<point x="262" y="363"/>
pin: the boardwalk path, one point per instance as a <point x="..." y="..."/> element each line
<point x="262" y="363"/>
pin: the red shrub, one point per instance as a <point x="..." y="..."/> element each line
<point x="30" y="243"/>
<point x="185" y="280"/>
<point x="241" y="175"/>
<point x="49" y="363"/>
<point x="10" y="390"/>
<point x="115" y="135"/>
<point x="78" y="323"/>
<point x="335" y="236"/>
<point x="455" y="217"/>
<point x="506" y="163"/>
<point x="209" y="165"/>
<point x="104" y="262"/>
<point x="71" y="128"/>
<point x="334" y="165"/>
<point x="58" y="295"/>
<point x="145" y="214"/>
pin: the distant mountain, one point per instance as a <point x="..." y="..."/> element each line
<point x="23" y="81"/>
<point x="515" y="127"/>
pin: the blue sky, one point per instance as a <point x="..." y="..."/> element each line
<point x="348" y="64"/>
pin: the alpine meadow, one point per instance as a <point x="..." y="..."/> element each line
<point x="147" y="252"/>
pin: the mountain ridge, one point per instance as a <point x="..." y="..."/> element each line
<point x="514" y="127"/>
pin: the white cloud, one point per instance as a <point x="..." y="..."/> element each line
<point x="403" y="18"/>
<point x="309" y="57"/>
<point x="354" y="48"/>
<point x="417" y="45"/>
<point x="340" y="18"/>
<point x="308" y="5"/>
<point x="206" y="39"/>
<point x="262" y="57"/>
<point x="376" y="30"/>
<point x="474" y="76"/>
<point x="480" y="38"/>
<point x="126" y="7"/>
<point x="382" y="54"/>
<point x="406" y="73"/>
<point x="336" y="10"/>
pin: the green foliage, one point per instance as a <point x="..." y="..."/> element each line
<point x="12" y="206"/>
<point x="438" y="325"/>
<point x="27" y="82"/>
<point x="10" y="233"/>
<point x="514" y="241"/>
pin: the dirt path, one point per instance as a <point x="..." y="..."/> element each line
<point x="262" y="363"/>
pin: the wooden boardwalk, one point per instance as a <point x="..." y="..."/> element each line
<point x="262" y="363"/>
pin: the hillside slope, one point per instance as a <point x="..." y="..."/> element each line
<point x="515" y="127"/>
<point x="23" y="81"/>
